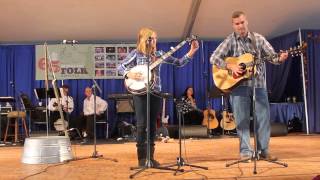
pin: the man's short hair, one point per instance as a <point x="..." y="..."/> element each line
<point x="237" y="14"/>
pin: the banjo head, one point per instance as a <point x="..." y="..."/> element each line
<point x="139" y="86"/>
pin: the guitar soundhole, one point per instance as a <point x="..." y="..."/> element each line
<point x="211" y="116"/>
<point x="243" y="67"/>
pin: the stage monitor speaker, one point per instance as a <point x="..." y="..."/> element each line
<point x="188" y="131"/>
<point x="276" y="129"/>
<point x="124" y="106"/>
<point x="279" y="129"/>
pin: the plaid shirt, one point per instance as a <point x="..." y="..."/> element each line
<point x="136" y="58"/>
<point x="234" y="46"/>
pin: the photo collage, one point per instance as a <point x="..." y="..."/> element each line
<point x="107" y="58"/>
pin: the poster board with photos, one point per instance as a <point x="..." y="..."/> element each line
<point x="83" y="61"/>
<point x="107" y="57"/>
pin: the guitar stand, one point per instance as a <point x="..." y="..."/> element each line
<point x="180" y="161"/>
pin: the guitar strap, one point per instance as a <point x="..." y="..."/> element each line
<point x="254" y="44"/>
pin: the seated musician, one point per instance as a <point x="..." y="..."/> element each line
<point x="86" y="125"/>
<point x="192" y="115"/>
<point x="66" y="103"/>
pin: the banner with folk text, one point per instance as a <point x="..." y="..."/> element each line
<point x="83" y="61"/>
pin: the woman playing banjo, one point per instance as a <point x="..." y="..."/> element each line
<point x="147" y="49"/>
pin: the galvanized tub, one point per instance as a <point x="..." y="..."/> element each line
<point x="46" y="149"/>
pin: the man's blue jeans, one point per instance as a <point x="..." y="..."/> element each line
<point x="241" y="100"/>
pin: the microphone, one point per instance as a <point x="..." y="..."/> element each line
<point x="72" y="42"/>
<point x="149" y="40"/>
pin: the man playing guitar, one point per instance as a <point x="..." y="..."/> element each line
<point x="240" y="42"/>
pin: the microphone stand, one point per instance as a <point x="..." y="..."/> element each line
<point x="255" y="155"/>
<point x="95" y="152"/>
<point x="148" y="163"/>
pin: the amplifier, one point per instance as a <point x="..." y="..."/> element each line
<point x="124" y="106"/>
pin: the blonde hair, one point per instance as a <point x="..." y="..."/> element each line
<point x="143" y="36"/>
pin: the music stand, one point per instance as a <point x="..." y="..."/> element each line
<point x="180" y="160"/>
<point x="216" y="92"/>
<point x="43" y="93"/>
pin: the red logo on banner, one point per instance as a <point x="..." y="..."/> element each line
<point x="55" y="65"/>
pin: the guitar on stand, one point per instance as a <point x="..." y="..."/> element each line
<point x="227" y="122"/>
<point x="210" y="119"/>
<point x="162" y="131"/>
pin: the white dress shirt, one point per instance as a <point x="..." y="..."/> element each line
<point x="66" y="102"/>
<point x="88" y="106"/>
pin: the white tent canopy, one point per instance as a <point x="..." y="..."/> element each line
<point x="119" y="20"/>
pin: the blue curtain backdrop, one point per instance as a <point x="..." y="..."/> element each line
<point x="312" y="37"/>
<point x="17" y="64"/>
<point x="279" y="77"/>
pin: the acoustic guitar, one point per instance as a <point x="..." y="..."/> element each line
<point x="227" y="122"/>
<point x="210" y="119"/>
<point x="162" y="130"/>
<point x="225" y="80"/>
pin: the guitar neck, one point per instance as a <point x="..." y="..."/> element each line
<point x="166" y="55"/>
<point x="268" y="58"/>
<point x="292" y="51"/>
<point x="55" y="90"/>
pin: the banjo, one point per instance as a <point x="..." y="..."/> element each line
<point x="139" y="87"/>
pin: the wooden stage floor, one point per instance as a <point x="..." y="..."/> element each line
<point x="301" y="152"/>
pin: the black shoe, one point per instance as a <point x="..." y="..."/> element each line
<point x="141" y="163"/>
<point x="267" y="157"/>
<point x="85" y="141"/>
<point x="155" y="163"/>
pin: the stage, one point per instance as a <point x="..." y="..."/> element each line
<point x="301" y="152"/>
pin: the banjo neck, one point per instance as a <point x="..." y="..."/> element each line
<point x="139" y="86"/>
<point x="166" y="55"/>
